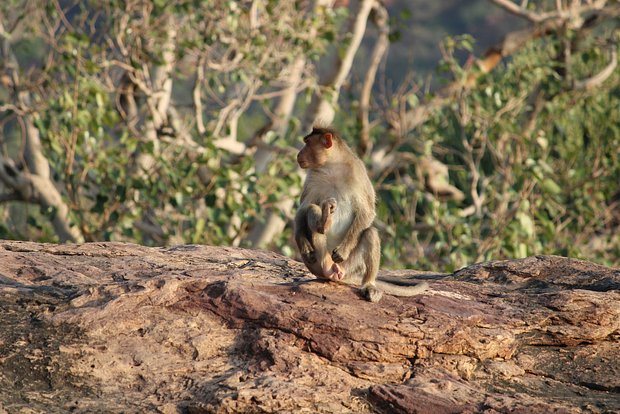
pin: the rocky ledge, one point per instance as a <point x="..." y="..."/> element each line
<point x="110" y="327"/>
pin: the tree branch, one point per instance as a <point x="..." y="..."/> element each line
<point x="321" y="108"/>
<point x="12" y="196"/>
<point x="34" y="188"/>
<point x="197" y="95"/>
<point x="380" y="18"/>
<point x="264" y="232"/>
<point x="510" y="44"/>
<point x="34" y="184"/>
<point x="560" y="12"/>
<point x="511" y="7"/>
<point x="599" y="78"/>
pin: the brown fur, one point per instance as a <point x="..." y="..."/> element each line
<point x="339" y="243"/>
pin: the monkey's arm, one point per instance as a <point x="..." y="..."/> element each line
<point x="302" y="235"/>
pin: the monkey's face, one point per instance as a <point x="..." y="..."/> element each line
<point x="316" y="150"/>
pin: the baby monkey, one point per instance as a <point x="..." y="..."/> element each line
<point x="333" y="226"/>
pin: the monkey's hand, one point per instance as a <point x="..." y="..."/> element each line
<point x="307" y="250"/>
<point x="337" y="256"/>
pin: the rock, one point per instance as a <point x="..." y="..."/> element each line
<point x="111" y="327"/>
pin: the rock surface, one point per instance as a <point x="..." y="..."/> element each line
<point x="110" y="327"/>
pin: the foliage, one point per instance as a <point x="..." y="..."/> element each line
<point x="536" y="158"/>
<point x="546" y="177"/>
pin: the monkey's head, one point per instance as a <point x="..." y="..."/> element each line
<point x="317" y="149"/>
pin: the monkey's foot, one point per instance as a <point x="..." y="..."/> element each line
<point x="327" y="210"/>
<point x="329" y="205"/>
<point x="371" y="293"/>
<point x="337" y="273"/>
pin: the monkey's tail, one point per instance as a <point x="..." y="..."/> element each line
<point x="397" y="290"/>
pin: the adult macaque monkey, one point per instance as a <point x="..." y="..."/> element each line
<point x="333" y="226"/>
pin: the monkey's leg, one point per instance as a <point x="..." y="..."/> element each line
<point x="328" y="207"/>
<point x="312" y="244"/>
<point x="319" y="222"/>
<point x="314" y="218"/>
<point x="327" y="211"/>
<point x="303" y="234"/>
<point x="366" y="256"/>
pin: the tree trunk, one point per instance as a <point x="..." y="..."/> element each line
<point x="262" y="233"/>
<point x="33" y="184"/>
<point x="380" y="19"/>
<point x="321" y="109"/>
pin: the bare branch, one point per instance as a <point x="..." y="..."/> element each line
<point x="521" y="11"/>
<point x="264" y="232"/>
<point x="560" y="12"/>
<point x="512" y="43"/>
<point x="34" y="184"/>
<point x="13" y="196"/>
<point x="197" y="95"/>
<point x="321" y="109"/>
<point x="380" y="18"/>
<point x="62" y="15"/>
<point x="599" y="78"/>
<point x="12" y="108"/>
<point x="33" y="188"/>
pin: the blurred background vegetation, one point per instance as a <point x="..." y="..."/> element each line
<point x="491" y="128"/>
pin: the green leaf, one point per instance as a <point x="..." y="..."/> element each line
<point x="394" y="36"/>
<point x="198" y="230"/>
<point x="551" y="186"/>
<point x="526" y="222"/>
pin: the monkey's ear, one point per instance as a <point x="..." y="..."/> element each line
<point x="328" y="139"/>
